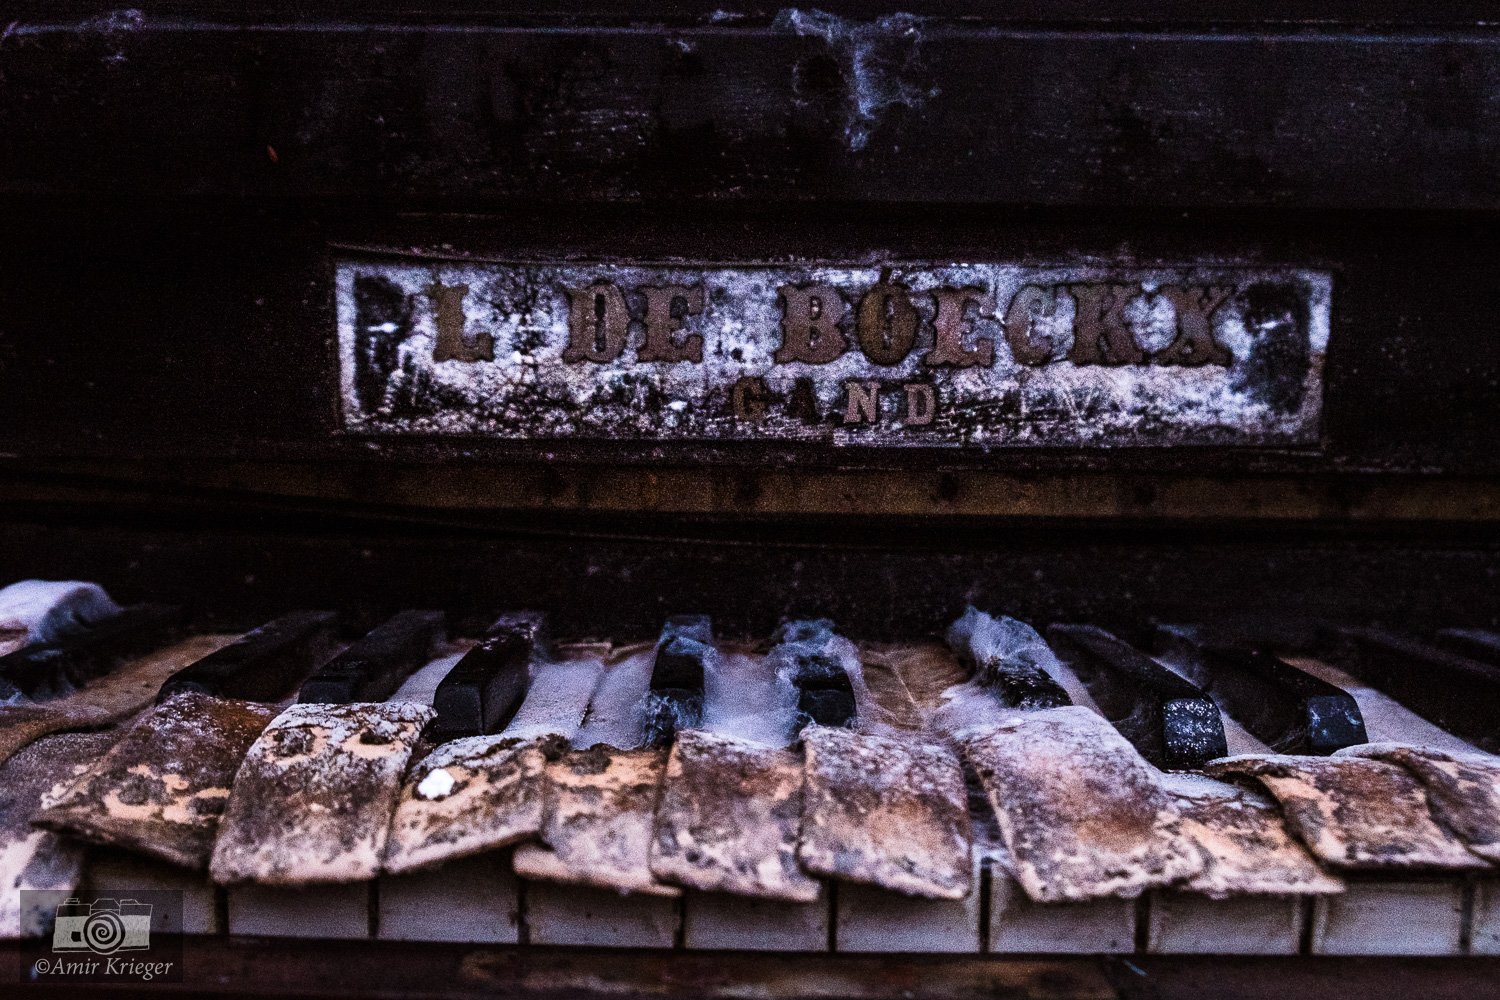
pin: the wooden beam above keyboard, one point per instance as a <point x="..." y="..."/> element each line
<point x="1173" y="723"/>
<point x="264" y="664"/>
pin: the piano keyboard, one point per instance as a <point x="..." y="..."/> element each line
<point x="1001" y="790"/>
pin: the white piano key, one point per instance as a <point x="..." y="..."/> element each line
<point x="108" y="870"/>
<point x="869" y="919"/>
<point x="1484" y="921"/>
<point x="715" y="921"/>
<point x="1182" y="923"/>
<point x="1391" y="918"/>
<point x="559" y="914"/>
<point x="470" y="900"/>
<point x="335" y="912"/>
<point x="1020" y="926"/>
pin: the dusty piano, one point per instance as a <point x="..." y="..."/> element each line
<point x="715" y="499"/>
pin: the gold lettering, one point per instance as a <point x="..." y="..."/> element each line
<point x="1100" y="333"/>
<point x="1195" y="344"/>
<point x="661" y="342"/>
<point x="863" y="405"/>
<point x="921" y="403"/>
<point x="451" y="344"/>
<point x="950" y="327"/>
<point x="598" y="322"/>
<point x="810" y="325"/>
<point x="886" y="323"/>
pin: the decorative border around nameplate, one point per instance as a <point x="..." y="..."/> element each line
<point x="976" y="355"/>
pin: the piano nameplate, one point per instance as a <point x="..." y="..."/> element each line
<point x="977" y="355"/>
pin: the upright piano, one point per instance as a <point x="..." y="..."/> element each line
<point x="704" y="499"/>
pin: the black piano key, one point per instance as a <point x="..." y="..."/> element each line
<point x="825" y="694"/>
<point x="1014" y="677"/>
<point x="1475" y="643"/>
<point x="1173" y="723"/>
<point x="48" y="671"/>
<point x="1456" y="692"/>
<point x="374" y="667"/>
<point x="676" y="697"/>
<point x="265" y="664"/>
<point x="1286" y="709"/>
<point x="485" y="688"/>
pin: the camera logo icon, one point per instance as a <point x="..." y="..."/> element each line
<point x="102" y="927"/>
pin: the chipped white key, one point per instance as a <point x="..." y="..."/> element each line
<point x="1484" y="924"/>
<point x="583" y="916"/>
<point x="110" y="871"/>
<point x="1020" y="925"/>
<point x="1183" y="923"/>
<point x="721" y="922"/>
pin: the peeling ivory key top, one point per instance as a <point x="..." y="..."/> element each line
<point x="38" y="859"/>
<point x="312" y="801"/>
<point x="728" y="819"/>
<point x="161" y="789"/>
<point x="482" y="793"/>
<point x="1082" y="815"/>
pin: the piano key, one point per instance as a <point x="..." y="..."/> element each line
<point x="720" y="922"/>
<point x="1288" y="709"/>
<point x="1082" y="814"/>
<point x="871" y="919"/>
<point x="728" y="819"/>
<point x="1386" y="720"/>
<point x="265" y="664"/>
<point x="1021" y="925"/>
<point x="313" y="798"/>
<point x="48" y="611"/>
<point x="1463" y="790"/>
<point x="805" y="651"/>
<point x="160" y="790"/>
<point x="337" y="911"/>
<point x="482" y="793"/>
<point x="1458" y="694"/>
<point x="43" y="673"/>
<point x="597" y="826"/>
<point x="1007" y="658"/>
<point x="678" y="677"/>
<point x="1186" y="923"/>
<point x="599" y="918"/>
<point x="1401" y="917"/>
<point x="371" y="668"/>
<point x="1354" y="814"/>
<point x="1484" y="923"/>
<point x="1170" y="721"/>
<point x="482" y="693"/>
<point x="471" y="898"/>
<point x="885" y="811"/>
<point x="32" y="859"/>
<point x="1474" y="643"/>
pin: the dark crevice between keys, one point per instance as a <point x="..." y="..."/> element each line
<point x="265" y="664"/>
<point x="372" y="668"/>
<point x="675" y="700"/>
<point x="484" y="689"/>
<point x="809" y="657"/>
<point x="1173" y="723"/>
<point x="1005" y="657"/>
<point x="1455" y="692"/>
<point x="1475" y="643"/>
<point x="54" y="670"/>
<point x="1288" y="710"/>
